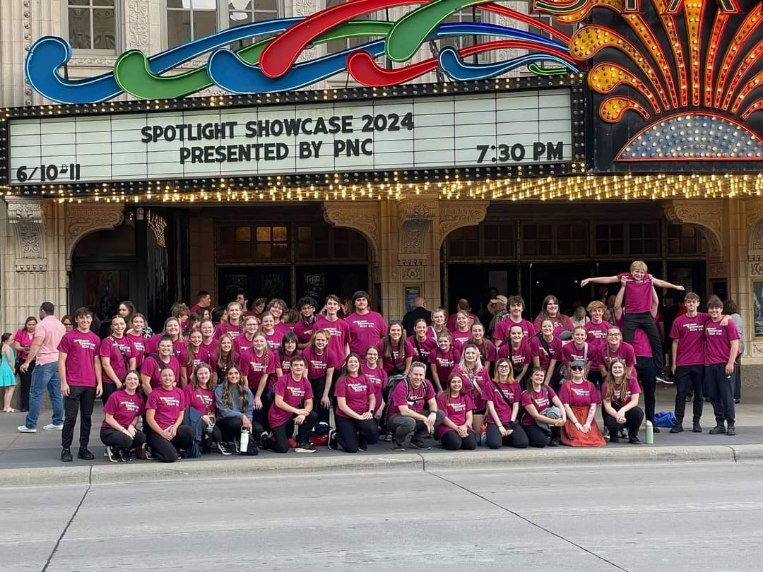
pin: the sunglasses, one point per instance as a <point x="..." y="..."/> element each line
<point x="67" y="323"/>
<point x="576" y="368"/>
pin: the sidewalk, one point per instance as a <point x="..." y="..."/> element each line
<point x="34" y="458"/>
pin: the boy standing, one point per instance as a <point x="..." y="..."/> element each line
<point x="688" y="359"/>
<point x="721" y="349"/>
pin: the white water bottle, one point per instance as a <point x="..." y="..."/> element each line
<point x="244" y="446"/>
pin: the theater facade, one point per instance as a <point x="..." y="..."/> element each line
<point x="405" y="148"/>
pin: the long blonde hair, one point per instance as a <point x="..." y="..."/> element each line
<point x="623" y="389"/>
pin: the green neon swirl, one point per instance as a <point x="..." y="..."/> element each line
<point x="412" y="30"/>
<point x="134" y="76"/>
<point x="537" y="70"/>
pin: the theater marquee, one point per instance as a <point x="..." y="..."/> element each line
<point x="490" y="129"/>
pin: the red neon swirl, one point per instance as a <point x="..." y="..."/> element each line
<point x="365" y="70"/>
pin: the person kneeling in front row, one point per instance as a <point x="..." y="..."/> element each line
<point x="234" y="404"/>
<point x="456" y="431"/>
<point x="165" y="409"/>
<point x="620" y="395"/>
<point x="356" y="427"/>
<point x="123" y="410"/>
<point x="544" y="414"/>
<point x="413" y="412"/>
<point x="293" y="405"/>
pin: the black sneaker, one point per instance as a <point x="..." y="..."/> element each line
<point x="126" y="455"/>
<point x="112" y="455"/>
<point x="264" y="436"/>
<point x="363" y="446"/>
<point x="718" y="430"/>
<point x="614" y="439"/>
<point x="419" y="444"/>
<point x="304" y="448"/>
<point x="677" y="428"/>
<point x="554" y="442"/>
<point x="66" y="455"/>
<point x="634" y="440"/>
<point x="696" y="427"/>
<point x="656" y="429"/>
<point x="85" y="454"/>
<point x="732" y="430"/>
<point x="332" y="440"/>
<point x="223" y="448"/>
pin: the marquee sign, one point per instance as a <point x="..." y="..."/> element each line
<point x="526" y="127"/>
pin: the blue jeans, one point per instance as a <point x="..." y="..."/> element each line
<point x="42" y="376"/>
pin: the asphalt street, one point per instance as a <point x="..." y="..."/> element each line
<point x="589" y="517"/>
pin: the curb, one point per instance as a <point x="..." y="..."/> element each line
<point x="248" y="467"/>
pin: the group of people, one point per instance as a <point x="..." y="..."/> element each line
<point x="251" y="378"/>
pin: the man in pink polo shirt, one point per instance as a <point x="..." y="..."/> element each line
<point x="44" y="352"/>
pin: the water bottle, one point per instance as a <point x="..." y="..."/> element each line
<point x="244" y="446"/>
<point x="649" y="433"/>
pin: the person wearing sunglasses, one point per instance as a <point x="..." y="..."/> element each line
<point x="580" y="399"/>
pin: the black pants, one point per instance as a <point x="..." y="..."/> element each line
<point x="594" y="376"/>
<point x="25" y="378"/>
<point x="689" y="380"/>
<point x="169" y="451"/>
<point x="633" y="419"/>
<point x="351" y="432"/>
<point x="517" y="439"/>
<point x="113" y="438"/>
<point x="452" y="441"/>
<point x="80" y="399"/>
<point x="645" y="321"/>
<point x="108" y="389"/>
<point x="281" y="434"/>
<point x="721" y="392"/>
<point x="738" y="377"/>
<point x="647" y="376"/>
<point x="318" y="386"/>
<point x="230" y="429"/>
<point x="406" y="428"/>
<point x="260" y="416"/>
<point x="537" y="437"/>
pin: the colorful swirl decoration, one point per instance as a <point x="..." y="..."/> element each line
<point x="268" y="63"/>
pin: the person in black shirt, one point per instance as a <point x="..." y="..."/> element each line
<point x="419" y="312"/>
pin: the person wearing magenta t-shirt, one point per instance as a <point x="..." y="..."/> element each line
<point x="394" y="348"/>
<point x="119" y="431"/>
<point x="288" y="350"/>
<point x="273" y="335"/>
<point x="306" y="324"/>
<point x="580" y="399"/>
<point x="420" y="345"/>
<point x="320" y="371"/>
<point x="475" y="378"/>
<point x="165" y="410"/>
<point x="620" y="395"/>
<point x="200" y="413"/>
<point x="688" y="359"/>
<point x="640" y="296"/>
<point x="79" y="369"/>
<point x="518" y="351"/>
<point x="503" y="396"/>
<point x="338" y="331"/>
<point x="292" y="406"/>
<point x="413" y="412"/>
<point x="150" y="373"/>
<point x="456" y="430"/>
<point x="116" y="357"/>
<point x="463" y="330"/>
<point x="443" y="359"/>
<point x="544" y="414"/>
<point x="503" y="329"/>
<point x="366" y="326"/>
<point x="233" y="325"/>
<point x="356" y="427"/>
<point x="377" y="379"/>
<point x="547" y="352"/>
<point x="243" y="343"/>
<point x="487" y="350"/>
<point x="549" y="310"/>
<point x="721" y="350"/>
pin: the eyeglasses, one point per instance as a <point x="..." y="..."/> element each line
<point x="504" y="366"/>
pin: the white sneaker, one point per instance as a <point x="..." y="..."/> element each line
<point x="52" y="427"/>
<point x="25" y="429"/>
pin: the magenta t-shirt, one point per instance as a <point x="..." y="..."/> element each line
<point x="119" y="352"/>
<point x="718" y="340"/>
<point x="294" y="393"/>
<point x="317" y="364"/>
<point x="596" y="334"/>
<point x="80" y="349"/>
<point x="152" y="370"/>
<point x="377" y="379"/>
<point x="633" y="389"/>
<point x="167" y="405"/>
<point x="444" y="362"/>
<point x="690" y="333"/>
<point x="123" y="407"/>
<point x="570" y="352"/>
<point x="540" y="399"/>
<point x="241" y="344"/>
<point x="24" y="339"/>
<point x="455" y="409"/>
<point x="365" y="330"/>
<point x="232" y="330"/>
<point x="253" y="367"/>
<point x="511" y="392"/>
<point x="519" y="357"/>
<point x="624" y="352"/>
<point x="426" y="347"/>
<point x="579" y="394"/>
<point x="356" y="391"/>
<point x="474" y="384"/>
<point x="138" y="344"/>
<point x="201" y="399"/>
<point x="415" y="399"/>
<point x="304" y="331"/>
<point x="545" y="356"/>
<point x="561" y="323"/>
<point x="396" y="360"/>
<point x="487" y="350"/>
<point x="339" y="335"/>
<point x="638" y="293"/>
<point x="503" y="329"/>
<point x="460" y="338"/>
